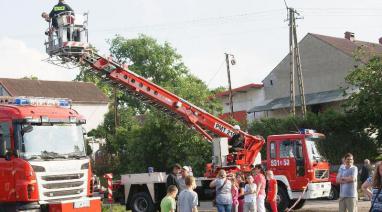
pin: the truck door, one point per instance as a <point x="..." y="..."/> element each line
<point x="7" y="181"/>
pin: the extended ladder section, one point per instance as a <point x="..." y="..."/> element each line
<point x="169" y="103"/>
<point x="152" y="94"/>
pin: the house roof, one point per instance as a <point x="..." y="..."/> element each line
<point x="241" y="89"/>
<point x="310" y="99"/>
<point x="365" y="49"/>
<point x="78" y="92"/>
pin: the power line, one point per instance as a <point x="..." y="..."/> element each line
<point x="216" y="73"/>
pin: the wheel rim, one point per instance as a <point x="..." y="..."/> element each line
<point x="331" y="194"/>
<point x="141" y="204"/>
<point x="278" y="199"/>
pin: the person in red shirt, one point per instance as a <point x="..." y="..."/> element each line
<point x="272" y="191"/>
<point x="261" y="183"/>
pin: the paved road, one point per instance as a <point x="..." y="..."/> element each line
<point x="310" y="206"/>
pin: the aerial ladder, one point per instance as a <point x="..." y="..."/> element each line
<point x="69" y="44"/>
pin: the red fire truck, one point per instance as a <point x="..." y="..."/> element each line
<point x="43" y="163"/>
<point x="302" y="174"/>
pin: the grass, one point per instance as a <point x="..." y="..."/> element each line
<point x="116" y="208"/>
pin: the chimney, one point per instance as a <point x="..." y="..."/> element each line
<point x="349" y="36"/>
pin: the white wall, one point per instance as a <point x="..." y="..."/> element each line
<point x="243" y="101"/>
<point x="93" y="113"/>
<point x="324" y="68"/>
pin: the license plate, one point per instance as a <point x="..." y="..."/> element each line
<point x="81" y="204"/>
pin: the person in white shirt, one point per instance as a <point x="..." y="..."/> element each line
<point x="250" y="195"/>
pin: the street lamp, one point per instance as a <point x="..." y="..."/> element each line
<point x="230" y="58"/>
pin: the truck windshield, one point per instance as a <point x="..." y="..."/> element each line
<point x="52" y="141"/>
<point x="314" y="155"/>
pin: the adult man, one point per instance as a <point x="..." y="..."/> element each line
<point x="236" y="141"/>
<point x="57" y="9"/>
<point x="182" y="181"/>
<point x="347" y="178"/>
<point x="365" y="171"/>
<point x="172" y="178"/>
<point x="188" y="198"/>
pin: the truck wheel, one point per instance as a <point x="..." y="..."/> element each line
<point x="141" y="202"/>
<point x="299" y="205"/>
<point x="333" y="195"/>
<point x="282" y="199"/>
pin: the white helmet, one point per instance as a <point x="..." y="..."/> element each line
<point x="236" y="127"/>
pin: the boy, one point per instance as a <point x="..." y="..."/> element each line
<point x="188" y="198"/>
<point x="168" y="203"/>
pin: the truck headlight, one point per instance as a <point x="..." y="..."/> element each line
<point x="85" y="166"/>
<point x="38" y="168"/>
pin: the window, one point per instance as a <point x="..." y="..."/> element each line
<point x="5" y="139"/>
<point x="271" y="82"/>
<point x="273" y="150"/>
<point x="287" y="150"/>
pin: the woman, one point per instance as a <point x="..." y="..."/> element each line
<point x="241" y="182"/>
<point x="250" y="195"/>
<point x="372" y="188"/>
<point x="223" y="192"/>
<point x="272" y="191"/>
<point x="235" y="193"/>
<point x="261" y="183"/>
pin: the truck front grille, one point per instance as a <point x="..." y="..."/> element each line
<point x="63" y="177"/>
<point x="321" y="174"/>
<point x="62" y="193"/>
<point x="62" y="185"/>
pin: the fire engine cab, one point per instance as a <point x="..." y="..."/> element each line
<point x="43" y="162"/>
<point x="299" y="168"/>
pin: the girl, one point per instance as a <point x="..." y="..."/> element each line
<point x="272" y="191"/>
<point x="250" y="195"/>
<point x="375" y="194"/>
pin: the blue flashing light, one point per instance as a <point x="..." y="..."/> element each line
<point x="22" y="101"/>
<point x="306" y="131"/>
<point x="63" y="103"/>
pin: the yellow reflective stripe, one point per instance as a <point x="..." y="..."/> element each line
<point x="59" y="8"/>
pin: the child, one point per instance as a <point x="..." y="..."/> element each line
<point x="188" y="198"/>
<point x="250" y="195"/>
<point x="272" y="191"/>
<point x="168" y="203"/>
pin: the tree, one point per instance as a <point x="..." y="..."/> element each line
<point x="366" y="103"/>
<point x="145" y="137"/>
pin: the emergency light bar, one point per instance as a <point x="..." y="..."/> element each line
<point x="36" y="101"/>
<point x="306" y="131"/>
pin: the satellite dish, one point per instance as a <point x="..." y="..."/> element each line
<point x="233" y="61"/>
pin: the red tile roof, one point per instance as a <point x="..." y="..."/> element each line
<point x="78" y="92"/>
<point x="366" y="49"/>
<point x="243" y="89"/>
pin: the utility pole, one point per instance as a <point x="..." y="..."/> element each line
<point x="233" y="62"/>
<point x="295" y="65"/>
<point x="115" y="110"/>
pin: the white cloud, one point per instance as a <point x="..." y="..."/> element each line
<point x="17" y="61"/>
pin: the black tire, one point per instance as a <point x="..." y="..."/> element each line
<point x="333" y="195"/>
<point x="142" y="202"/>
<point x="283" y="200"/>
<point x="299" y="205"/>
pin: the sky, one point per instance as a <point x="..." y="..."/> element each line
<point x="255" y="32"/>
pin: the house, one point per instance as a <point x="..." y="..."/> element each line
<point x="243" y="98"/>
<point x="86" y="98"/>
<point x="326" y="61"/>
